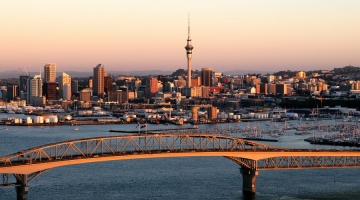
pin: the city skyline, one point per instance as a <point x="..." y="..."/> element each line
<point x="139" y="35"/>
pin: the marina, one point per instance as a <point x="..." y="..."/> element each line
<point x="331" y="132"/>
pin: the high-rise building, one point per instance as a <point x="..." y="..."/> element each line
<point x="98" y="84"/>
<point x="65" y="79"/>
<point x="107" y="84"/>
<point x="50" y="72"/>
<point x="152" y="86"/>
<point x="66" y="92"/>
<point x="206" y="77"/>
<point x="12" y="92"/>
<point x="264" y="88"/>
<point x="34" y="88"/>
<point x="189" y="49"/>
<point x="74" y="86"/>
<point x="196" y="81"/>
<point x="23" y="83"/>
<point x="50" y="90"/>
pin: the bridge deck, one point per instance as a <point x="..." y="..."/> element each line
<point x="26" y="168"/>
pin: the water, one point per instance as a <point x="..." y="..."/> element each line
<point x="170" y="178"/>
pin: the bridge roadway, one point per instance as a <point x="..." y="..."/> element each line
<point x="251" y="156"/>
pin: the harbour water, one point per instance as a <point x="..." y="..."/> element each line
<point x="171" y="178"/>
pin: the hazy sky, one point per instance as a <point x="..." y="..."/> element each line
<point x="267" y="35"/>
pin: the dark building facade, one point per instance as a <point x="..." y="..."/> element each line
<point x="23" y="83"/>
<point x="50" y="91"/>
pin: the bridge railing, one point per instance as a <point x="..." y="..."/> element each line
<point x="129" y="144"/>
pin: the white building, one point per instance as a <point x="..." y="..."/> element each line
<point x="66" y="92"/>
<point x="34" y="89"/>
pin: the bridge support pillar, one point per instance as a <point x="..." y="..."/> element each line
<point x="249" y="180"/>
<point x="21" y="187"/>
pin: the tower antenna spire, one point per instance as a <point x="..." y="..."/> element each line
<point x="188" y="25"/>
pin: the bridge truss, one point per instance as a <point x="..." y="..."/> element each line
<point x="298" y="162"/>
<point x="125" y="145"/>
<point x="129" y="144"/>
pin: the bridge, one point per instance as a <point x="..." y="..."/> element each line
<point x="18" y="169"/>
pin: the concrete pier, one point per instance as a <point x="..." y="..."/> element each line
<point x="21" y="188"/>
<point x="249" y="180"/>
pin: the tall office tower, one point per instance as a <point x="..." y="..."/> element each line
<point x="66" y="92"/>
<point x="50" y="90"/>
<point x="98" y="83"/>
<point x="49" y="72"/>
<point x="189" y="49"/>
<point x="65" y="79"/>
<point x="206" y="77"/>
<point x="23" y="82"/>
<point x="12" y="92"/>
<point x="152" y="86"/>
<point x="34" y="88"/>
<point x="74" y="86"/>
<point x="107" y="84"/>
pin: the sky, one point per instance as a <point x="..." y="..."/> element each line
<point x="135" y="35"/>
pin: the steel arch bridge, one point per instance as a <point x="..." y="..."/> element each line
<point x="251" y="156"/>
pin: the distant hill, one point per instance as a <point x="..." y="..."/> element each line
<point x="243" y="72"/>
<point x="16" y="73"/>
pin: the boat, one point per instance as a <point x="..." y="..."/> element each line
<point x="76" y="128"/>
<point x="5" y="128"/>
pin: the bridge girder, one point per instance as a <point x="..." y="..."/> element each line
<point x="298" y="162"/>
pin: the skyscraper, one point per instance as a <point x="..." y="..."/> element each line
<point x="74" y="86"/>
<point x="65" y="79"/>
<point x="189" y="49"/>
<point x="49" y="72"/>
<point x="34" y="88"/>
<point x="12" y="92"/>
<point x="206" y="77"/>
<point x="107" y="84"/>
<point x="98" y="84"/>
<point x="66" y="91"/>
<point x="152" y="86"/>
<point x="23" y="83"/>
<point x="49" y="90"/>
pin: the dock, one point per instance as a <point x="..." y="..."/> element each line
<point x="261" y="139"/>
<point x="152" y="131"/>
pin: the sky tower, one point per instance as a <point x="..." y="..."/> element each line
<point x="189" y="48"/>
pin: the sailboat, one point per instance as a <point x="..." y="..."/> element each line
<point x="5" y="128"/>
<point x="76" y="128"/>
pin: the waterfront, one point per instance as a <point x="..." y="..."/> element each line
<point x="171" y="178"/>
